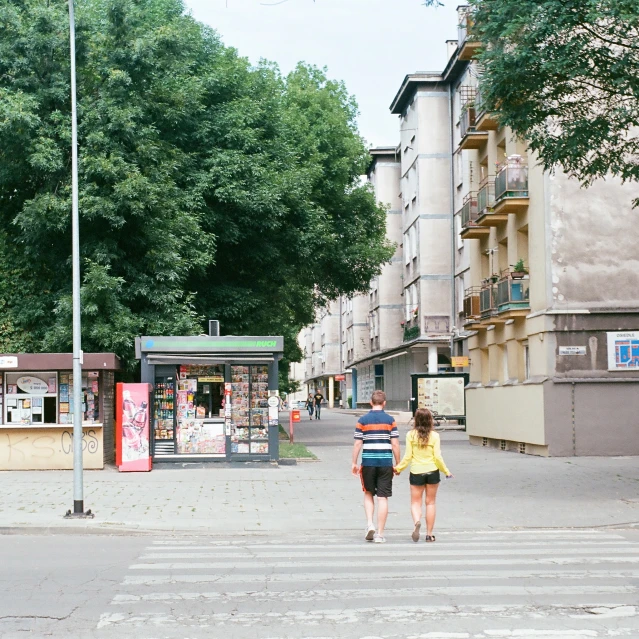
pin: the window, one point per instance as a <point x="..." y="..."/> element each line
<point x="407" y="256"/>
<point x="526" y="360"/>
<point x="458" y="229"/>
<point x="379" y="377"/>
<point x="504" y="365"/>
<point x="413" y="241"/>
<point x="408" y="298"/>
<point x="32" y="398"/>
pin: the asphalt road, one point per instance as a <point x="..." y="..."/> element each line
<point x="536" y="585"/>
<point x="517" y="553"/>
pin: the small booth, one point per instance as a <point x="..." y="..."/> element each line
<point x="36" y="410"/>
<point x="213" y="398"/>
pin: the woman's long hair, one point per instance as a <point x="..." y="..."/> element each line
<point x="423" y="425"/>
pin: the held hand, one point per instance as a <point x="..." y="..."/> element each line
<point x="355" y="470"/>
<point x="395" y="471"/>
<point x="451" y="476"/>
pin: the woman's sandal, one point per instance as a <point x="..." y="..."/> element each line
<point x="415" y="535"/>
<point x="430" y="538"/>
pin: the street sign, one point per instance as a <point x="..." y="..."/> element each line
<point x="273" y="401"/>
<point x="572" y="350"/>
<point x="459" y="362"/>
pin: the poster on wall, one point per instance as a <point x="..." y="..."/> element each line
<point x="132" y="427"/>
<point x="444" y="395"/>
<point x="623" y="351"/>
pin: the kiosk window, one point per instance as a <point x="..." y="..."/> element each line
<point x="31" y="398"/>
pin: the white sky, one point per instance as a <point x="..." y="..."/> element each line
<point x="370" y="44"/>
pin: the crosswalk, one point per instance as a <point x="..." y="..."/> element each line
<point x="547" y="584"/>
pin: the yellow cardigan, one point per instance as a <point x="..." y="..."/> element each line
<point x="422" y="459"/>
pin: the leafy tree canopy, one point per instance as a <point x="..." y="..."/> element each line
<point x="209" y="188"/>
<point x="564" y="74"/>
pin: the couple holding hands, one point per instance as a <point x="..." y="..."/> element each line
<point x="377" y="438"/>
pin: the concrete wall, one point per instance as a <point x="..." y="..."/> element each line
<point x="595" y="262"/>
<point x="46" y="448"/>
<point x="604" y="420"/>
<point x="513" y="413"/>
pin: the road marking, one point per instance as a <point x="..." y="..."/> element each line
<point x="406" y="553"/>
<point x="368" y="615"/>
<point x="368" y="593"/>
<point x="426" y="576"/>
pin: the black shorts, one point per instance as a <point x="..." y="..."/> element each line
<point x="424" y="478"/>
<point x="377" y="480"/>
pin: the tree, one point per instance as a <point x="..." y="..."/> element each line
<point x="208" y="188"/>
<point x="564" y="75"/>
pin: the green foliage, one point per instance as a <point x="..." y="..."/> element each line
<point x="564" y="74"/>
<point x="208" y="188"/>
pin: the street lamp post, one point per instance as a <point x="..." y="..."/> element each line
<point x="78" y="488"/>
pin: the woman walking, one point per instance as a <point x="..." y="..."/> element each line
<point x="309" y="405"/>
<point x="423" y="453"/>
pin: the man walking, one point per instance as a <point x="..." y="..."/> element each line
<point x="318" y="398"/>
<point x="377" y="437"/>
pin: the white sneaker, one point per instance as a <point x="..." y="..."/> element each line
<point x="378" y="539"/>
<point x="370" y="533"/>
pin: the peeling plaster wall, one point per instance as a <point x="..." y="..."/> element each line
<point x="595" y="244"/>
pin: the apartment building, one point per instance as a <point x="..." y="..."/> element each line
<point x="322" y="355"/>
<point x="373" y="323"/>
<point x="551" y="293"/>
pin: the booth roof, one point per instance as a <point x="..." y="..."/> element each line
<point x="203" y="344"/>
<point x="59" y="361"/>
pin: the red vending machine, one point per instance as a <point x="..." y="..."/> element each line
<point x="132" y="430"/>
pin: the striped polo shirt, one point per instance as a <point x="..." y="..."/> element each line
<point x="376" y="429"/>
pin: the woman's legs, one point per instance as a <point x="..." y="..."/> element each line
<point x="416" y="493"/>
<point x="431" y="496"/>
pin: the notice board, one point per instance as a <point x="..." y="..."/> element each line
<point x="443" y="393"/>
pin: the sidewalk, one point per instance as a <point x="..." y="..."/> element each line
<point x="491" y="490"/>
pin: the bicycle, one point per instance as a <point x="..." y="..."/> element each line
<point x="438" y="419"/>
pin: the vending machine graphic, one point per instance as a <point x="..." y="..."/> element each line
<point x="132" y="451"/>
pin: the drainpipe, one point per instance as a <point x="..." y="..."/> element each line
<point x="453" y="296"/>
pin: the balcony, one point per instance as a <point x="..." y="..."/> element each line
<point x="484" y="120"/>
<point x="511" y="187"/>
<point x="513" y="296"/>
<point x="487" y="301"/>
<point x="467" y="44"/>
<point x="486" y="205"/>
<point x="470" y="138"/>
<point x="469" y="214"/>
<point x="472" y="311"/>
<point x="411" y="333"/>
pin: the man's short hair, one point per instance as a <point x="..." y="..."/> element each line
<point x="378" y="398"/>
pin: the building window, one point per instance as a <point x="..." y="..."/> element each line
<point x="504" y="364"/>
<point x="379" y="377"/>
<point x="526" y="360"/>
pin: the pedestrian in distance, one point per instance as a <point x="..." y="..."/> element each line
<point x="377" y="437"/>
<point x="318" y="398"/>
<point x="423" y="453"/>
<point x="309" y="405"/>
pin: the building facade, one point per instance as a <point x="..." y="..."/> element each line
<point x="551" y="294"/>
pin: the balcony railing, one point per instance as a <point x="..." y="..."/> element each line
<point x="487" y="306"/>
<point x="512" y="180"/>
<point x="486" y="195"/>
<point x="465" y="25"/>
<point x="469" y="210"/>
<point x="467" y="120"/>
<point x="410" y="333"/>
<point x="512" y="293"/>
<point x="471" y="303"/>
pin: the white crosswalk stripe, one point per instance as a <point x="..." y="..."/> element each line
<point x="554" y="584"/>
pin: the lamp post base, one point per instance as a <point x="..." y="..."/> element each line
<point x="78" y="512"/>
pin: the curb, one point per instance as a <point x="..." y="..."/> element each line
<point x="146" y="532"/>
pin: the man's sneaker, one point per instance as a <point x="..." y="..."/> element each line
<point x="370" y="533"/>
<point x="378" y="539"/>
